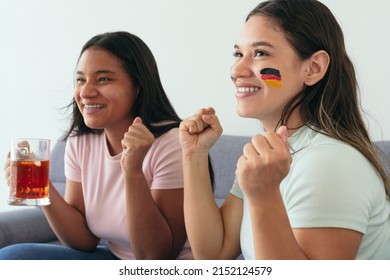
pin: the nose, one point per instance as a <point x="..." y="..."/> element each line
<point x="240" y="69"/>
<point x="88" y="90"/>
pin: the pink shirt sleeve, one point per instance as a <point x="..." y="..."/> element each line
<point x="163" y="163"/>
<point x="87" y="160"/>
<point x="72" y="166"/>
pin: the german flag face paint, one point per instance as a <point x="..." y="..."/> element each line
<point x="271" y="77"/>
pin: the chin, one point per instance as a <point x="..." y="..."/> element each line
<point x="243" y="113"/>
<point x="93" y="126"/>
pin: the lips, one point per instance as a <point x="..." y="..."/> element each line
<point x="94" y="107"/>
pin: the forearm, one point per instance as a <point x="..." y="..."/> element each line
<point x="68" y="223"/>
<point x="203" y="218"/>
<point x="149" y="233"/>
<point x="272" y="232"/>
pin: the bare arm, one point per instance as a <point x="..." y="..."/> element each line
<point x="275" y="239"/>
<point x="67" y="218"/>
<point x="213" y="233"/>
<point x="155" y="217"/>
<point x="260" y="170"/>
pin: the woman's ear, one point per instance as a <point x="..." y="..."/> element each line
<point x="317" y="66"/>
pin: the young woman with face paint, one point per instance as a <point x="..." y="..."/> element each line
<point x="312" y="185"/>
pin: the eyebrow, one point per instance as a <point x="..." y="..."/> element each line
<point x="103" y="71"/>
<point x="257" y="44"/>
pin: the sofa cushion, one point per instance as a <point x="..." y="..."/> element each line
<point x="384" y="148"/>
<point x="24" y="225"/>
<point x="57" y="175"/>
<point x="224" y="156"/>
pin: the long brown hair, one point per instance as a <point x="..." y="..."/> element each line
<point x="152" y="103"/>
<point x="332" y="105"/>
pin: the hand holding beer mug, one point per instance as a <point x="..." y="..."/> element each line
<point x="29" y="184"/>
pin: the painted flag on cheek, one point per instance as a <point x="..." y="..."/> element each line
<point x="271" y="77"/>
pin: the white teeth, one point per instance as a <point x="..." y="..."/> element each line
<point x="93" y="107"/>
<point x="248" y="89"/>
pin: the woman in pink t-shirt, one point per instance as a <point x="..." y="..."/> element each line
<point x="122" y="162"/>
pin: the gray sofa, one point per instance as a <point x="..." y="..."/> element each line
<point x="30" y="225"/>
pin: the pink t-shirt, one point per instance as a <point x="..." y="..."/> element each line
<point x="87" y="160"/>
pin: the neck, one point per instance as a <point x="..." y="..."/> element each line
<point x="114" y="138"/>
<point x="294" y="123"/>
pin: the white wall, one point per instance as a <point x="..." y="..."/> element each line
<point x="192" y="42"/>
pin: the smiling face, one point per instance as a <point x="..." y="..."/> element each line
<point x="104" y="92"/>
<point x="267" y="72"/>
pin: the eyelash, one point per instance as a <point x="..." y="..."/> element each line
<point x="79" y="80"/>
<point x="237" y="54"/>
<point x="263" y="53"/>
<point x="255" y="53"/>
<point x="102" y="79"/>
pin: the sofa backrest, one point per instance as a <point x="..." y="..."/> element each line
<point x="228" y="149"/>
<point x="384" y="146"/>
<point x="57" y="176"/>
<point x="224" y="155"/>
